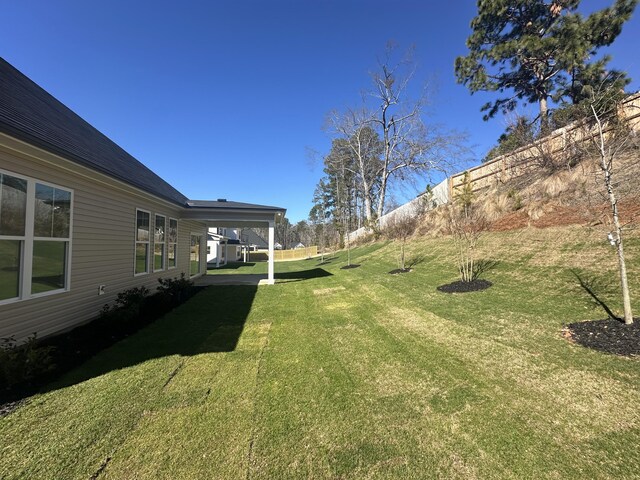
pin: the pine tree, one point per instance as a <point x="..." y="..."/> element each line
<point x="529" y="48"/>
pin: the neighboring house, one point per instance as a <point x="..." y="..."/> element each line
<point x="81" y="219"/>
<point x="278" y="246"/>
<point x="298" y="245"/>
<point x="223" y="245"/>
<point x="255" y="241"/>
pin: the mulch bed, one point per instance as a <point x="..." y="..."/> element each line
<point x="610" y="336"/>
<point x="399" y="270"/>
<point x="464" y="287"/>
<point x="7" y="408"/>
<point x="347" y="267"/>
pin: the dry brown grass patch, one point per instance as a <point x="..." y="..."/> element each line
<point x="328" y="291"/>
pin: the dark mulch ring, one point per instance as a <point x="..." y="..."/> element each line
<point x="464" y="287"/>
<point x="610" y="336"/>
<point x="7" y="408"/>
<point x="347" y="267"/>
<point x="399" y="270"/>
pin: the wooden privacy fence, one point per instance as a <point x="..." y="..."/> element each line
<point x="295" y="254"/>
<point x="526" y="159"/>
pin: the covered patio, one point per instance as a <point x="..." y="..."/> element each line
<point x="227" y="214"/>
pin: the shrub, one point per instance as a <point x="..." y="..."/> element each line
<point x="514" y="195"/>
<point x="466" y="226"/>
<point x="175" y="290"/>
<point x="128" y="305"/>
<point x="22" y="363"/>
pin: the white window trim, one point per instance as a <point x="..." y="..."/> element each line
<point x="175" y="248"/>
<point x="164" y="244"/>
<point x="26" y="250"/>
<point x="136" y="242"/>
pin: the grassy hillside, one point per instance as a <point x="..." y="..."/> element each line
<point x="356" y="373"/>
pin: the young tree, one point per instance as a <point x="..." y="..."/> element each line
<point x="528" y="47"/>
<point x="400" y="228"/>
<point x="466" y="229"/>
<point x="612" y="138"/>
<point x="466" y="225"/>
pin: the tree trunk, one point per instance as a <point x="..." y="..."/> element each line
<point x="544" y="115"/>
<point x="368" y="210"/>
<point x="628" y="314"/>
<point x="606" y="170"/>
<point x="624" y="284"/>
<point x="383" y="191"/>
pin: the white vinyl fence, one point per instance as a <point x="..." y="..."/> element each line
<point x="439" y="195"/>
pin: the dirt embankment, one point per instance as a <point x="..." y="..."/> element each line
<point x="561" y="215"/>
<point x="553" y="199"/>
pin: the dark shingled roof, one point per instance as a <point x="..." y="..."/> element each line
<point x="30" y="114"/>
<point x="229" y="205"/>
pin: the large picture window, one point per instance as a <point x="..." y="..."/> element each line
<point x="159" y="235"/>
<point x="142" y="242"/>
<point x="35" y="237"/>
<point x="172" y="245"/>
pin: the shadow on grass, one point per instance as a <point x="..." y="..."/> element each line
<point x="303" y="275"/>
<point x="416" y="260"/>
<point x="594" y="287"/>
<point x="230" y="266"/>
<point x="211" y="321"/>
<point x="483" y="266"/>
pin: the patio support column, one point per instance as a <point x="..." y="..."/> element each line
<point x="218" y="252"/>
<point x="271" y="276"/>
<point x="226" y="252"/>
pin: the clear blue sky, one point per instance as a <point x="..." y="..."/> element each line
<point x="222" y="99"/>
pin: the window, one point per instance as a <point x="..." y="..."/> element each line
<point x="35" y="237"/>
<point x="13" y="214"/>
<point x="158" y="243"/>
<point x="51" y="221"/>
<point x="172" y="239"/>
<point x="142" y="242"/>
<point x="194" y="267"/>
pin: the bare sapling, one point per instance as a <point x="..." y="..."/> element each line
<point x="612" y="138"/>
<point x="466" y="224"/>
<point x="400" y="228"/>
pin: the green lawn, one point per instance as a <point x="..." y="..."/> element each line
<point x="355" y="374"/>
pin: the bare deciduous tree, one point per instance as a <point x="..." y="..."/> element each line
<point x="388" y="137"/>
<point x="410" y="146"/>
<point x="400" y="227"/>
<point x="612" y="138"/>
<point x="466" y="228"/>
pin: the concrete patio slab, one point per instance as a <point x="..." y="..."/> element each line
<point x="239" y="279"/>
